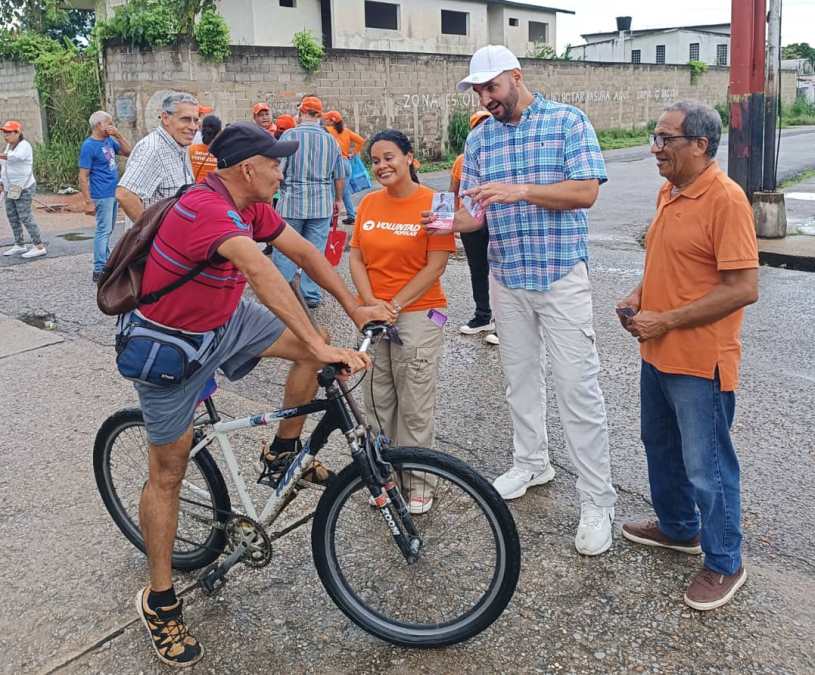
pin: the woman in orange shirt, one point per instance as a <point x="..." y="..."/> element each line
<point x="394" y="262"/>
<point x="203" y="162"/>
<point x="350" y="144"/>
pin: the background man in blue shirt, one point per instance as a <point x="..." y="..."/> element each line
<point x="313" y="180"/>
<point x="98" y="177"/>
<point x="535" y="166"/>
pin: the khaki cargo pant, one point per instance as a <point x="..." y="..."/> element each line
<point x="403" y="387"/>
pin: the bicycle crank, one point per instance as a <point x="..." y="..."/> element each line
<point x="247" y="542"/>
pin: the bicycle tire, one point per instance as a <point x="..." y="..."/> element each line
<point x="389" y="628"/>
<point x="200" y="554"/>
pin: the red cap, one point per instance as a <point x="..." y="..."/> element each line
<point x="258" y="107"/>
<point x="333" y="116"/>
<point x="311" y="104"/>
<point x="205" y="109"/>
<point x="12" y="125"/>
<point x="285" y="122"/>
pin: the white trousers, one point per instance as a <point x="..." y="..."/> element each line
<point x="531" y="324"/>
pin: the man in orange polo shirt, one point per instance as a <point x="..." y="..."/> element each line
<point x="701" y="270"/>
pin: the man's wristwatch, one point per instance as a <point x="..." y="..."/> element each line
<point x="396" y="306"/>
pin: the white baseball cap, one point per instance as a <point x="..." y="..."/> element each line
<point x="488" y="63"/>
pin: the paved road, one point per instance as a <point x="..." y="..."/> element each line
<point x="69" y="577"/>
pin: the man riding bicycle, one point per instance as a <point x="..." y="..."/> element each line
<point x="221" y="222"/>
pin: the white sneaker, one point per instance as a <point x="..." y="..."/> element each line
<point x="492" y="339"/>
<point x="515" y="482"/>
<point x="474" y="327"/>
<point x="594" y="531"/>
<point x="35" y="252"/>
<point x="14" y="250"/>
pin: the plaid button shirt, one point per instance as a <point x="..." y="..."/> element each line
<point x="156" y="168"/>
<point x="532" y="247"/>
<point x="307" y="190"/>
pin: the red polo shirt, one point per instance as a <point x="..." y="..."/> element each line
<point x="190" y="234"/>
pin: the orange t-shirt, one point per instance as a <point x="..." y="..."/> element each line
<point x="695" y="234"/>
<point x="203" y="163"/>
<point x="458" y="165"/>
<point x="394" y="245"/>
<point x="346" y="139"/>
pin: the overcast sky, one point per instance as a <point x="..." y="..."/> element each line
<point x="594" y="16"/>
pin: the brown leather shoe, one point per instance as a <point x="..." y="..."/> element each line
<point x="709" y="589"/>
<point x="647" y="532"/>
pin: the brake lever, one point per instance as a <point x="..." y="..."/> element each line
<point x="392" y="334"/>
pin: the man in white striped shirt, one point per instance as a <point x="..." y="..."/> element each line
<point x="159" y="163"/>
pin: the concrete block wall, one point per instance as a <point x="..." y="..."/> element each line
<point x="374" y="90"/>
<point x="19" y="99"/>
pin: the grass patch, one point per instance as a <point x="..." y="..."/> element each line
<point x="798" y="114"/>
<point x="797" y="178"/>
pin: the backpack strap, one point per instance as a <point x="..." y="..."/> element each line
<point x="150" y="298"/>
<point x="155" y="296"/>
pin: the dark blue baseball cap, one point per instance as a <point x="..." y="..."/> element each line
<point x="241" y="140"/>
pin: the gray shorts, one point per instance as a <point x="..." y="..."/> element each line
<point x="168" y="411"/>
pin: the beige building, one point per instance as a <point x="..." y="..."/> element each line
<point x="430" y="26"/>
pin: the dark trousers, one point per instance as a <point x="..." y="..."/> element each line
<point x="475" y="246"/>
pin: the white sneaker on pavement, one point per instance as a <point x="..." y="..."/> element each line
<point x="14" y="250"/>
<point x="475" y="326"/>
<point x="594" y="531"/>
<point x="515" y="482"/>
<point x="492" y="339"/>
<point x="35" y="252"/>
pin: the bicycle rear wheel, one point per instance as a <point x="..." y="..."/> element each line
<point x="467" y="569"/>
<point x="120" y="467"/>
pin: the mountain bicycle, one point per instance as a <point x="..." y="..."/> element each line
<point x="421" y="580"/>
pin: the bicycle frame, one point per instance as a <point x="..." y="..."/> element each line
<point x="337" y="417"/>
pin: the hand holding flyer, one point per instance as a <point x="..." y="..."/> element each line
<point x="443" y="212"/>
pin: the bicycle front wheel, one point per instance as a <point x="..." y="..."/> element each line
<point x="467" y="567"/>
<point x="120" y="467"/>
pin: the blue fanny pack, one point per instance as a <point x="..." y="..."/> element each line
<point x="153" y="354"/>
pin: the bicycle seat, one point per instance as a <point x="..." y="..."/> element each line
<point x="209" y="389"/>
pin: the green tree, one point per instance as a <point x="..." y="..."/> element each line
<point x="799" y="50"/>
<point x="51" y="18"/>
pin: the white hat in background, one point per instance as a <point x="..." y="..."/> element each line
<point x="488" y="63"/>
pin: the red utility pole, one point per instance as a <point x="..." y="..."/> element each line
<point x="746" y="93"/>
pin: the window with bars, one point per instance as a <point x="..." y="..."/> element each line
<point x="636" y="55"/>
<point x="660" y="54"/>
<point x="288" y="3"/>
<point x="693" y="52"/>
<point x="721" y="55"/>
<point x="513" y="22"/>
<point x="538" y="31"/>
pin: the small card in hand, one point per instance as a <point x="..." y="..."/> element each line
<point x="443" y="210"/>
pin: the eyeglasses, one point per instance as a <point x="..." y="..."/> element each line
<point x="660" y="139"/>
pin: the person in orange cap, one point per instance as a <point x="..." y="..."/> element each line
<point x="18" y="185"/>
<point x="262" y="116"/>
<point x="284" y="123"/>
<point x="314" y="178"/>
<point x="350" y="144"/>
<point x="475" y="246"/>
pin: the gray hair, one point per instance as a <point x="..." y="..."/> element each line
<point x="170" y="102"/>
<point x="98" y="117"/>
<point x="700" y="120"/>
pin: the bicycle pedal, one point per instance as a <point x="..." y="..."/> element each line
<point x="212" y="581"/>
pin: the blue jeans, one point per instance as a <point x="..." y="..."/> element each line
<point x="105" y="220"/>
<point x="692" y="464"/>
<point x="346" y="192"/>
<point x="314" y="230"/>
